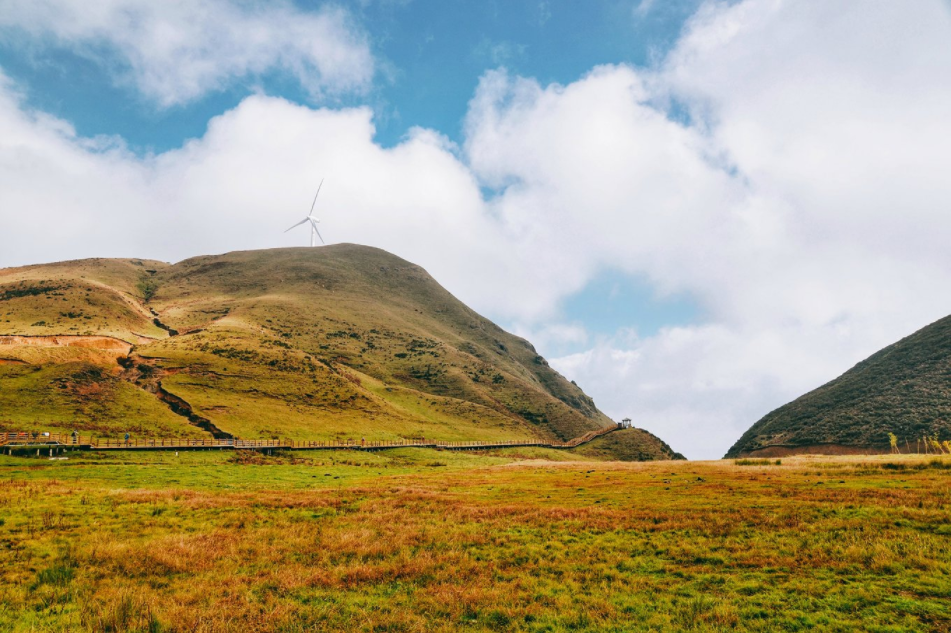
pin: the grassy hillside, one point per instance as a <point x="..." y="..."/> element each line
<point x="904" y="389"/>
<point x="340" y="341"/>
<point x="90" y="296"/>
<point x="628" y="445"/>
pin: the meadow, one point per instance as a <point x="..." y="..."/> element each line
<point x="507" y="540"/>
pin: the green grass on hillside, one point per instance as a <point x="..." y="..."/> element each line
<point x="903" y="389"/>
<point x="306" y="344"/>
<point x="85" y="297"/>
<point x="627" y="445"/>
<point x="83" y="397"/>
<point x="382" y="316"/>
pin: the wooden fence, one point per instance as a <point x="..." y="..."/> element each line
<point x="42" y="439"/>
<point x="95" y="443"/>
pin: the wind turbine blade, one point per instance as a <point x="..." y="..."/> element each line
<point x="313" y="225"/>
<point x="304" y="221"/>
<point x="315" y="197"/>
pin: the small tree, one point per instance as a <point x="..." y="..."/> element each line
<point x="147" y="287"/>
<point x="893" y="440"/>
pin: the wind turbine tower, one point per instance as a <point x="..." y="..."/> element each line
<point x="314" y="233"/>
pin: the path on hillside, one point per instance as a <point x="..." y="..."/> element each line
<point x="132" y="373"/>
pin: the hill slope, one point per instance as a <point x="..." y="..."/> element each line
<point x="903" y="389"/>
<point x="628" y="445"/>
<point x="339" y="341"/>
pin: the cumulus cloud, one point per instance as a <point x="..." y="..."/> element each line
<point x="784" y="166"/>
<point x="176" y="51"/>
<point x="596" y="177"/>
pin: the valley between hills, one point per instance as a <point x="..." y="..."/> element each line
<point x="345" y="342"/>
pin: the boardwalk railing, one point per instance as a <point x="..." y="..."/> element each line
<point x="7" y="439"/>
<point x="587" y="437"/>
<point x="94" y="443"/>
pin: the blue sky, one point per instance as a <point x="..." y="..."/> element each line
<point x="698" y="210"/>
<point x="431" y="52"/>
<point x="439" y="49"/>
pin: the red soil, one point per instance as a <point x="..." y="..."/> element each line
<point x="106" y="343"/>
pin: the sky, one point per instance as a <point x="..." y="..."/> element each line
<point x="697" y="210"/>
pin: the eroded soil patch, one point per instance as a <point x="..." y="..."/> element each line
<point x="105" y="343"/>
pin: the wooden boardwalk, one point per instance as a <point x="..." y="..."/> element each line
<point x="57" y="443"/>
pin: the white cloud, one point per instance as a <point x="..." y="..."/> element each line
<point x="175" y="51"/>
<point x="804" y="205"/>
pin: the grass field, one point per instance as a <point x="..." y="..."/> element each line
<point x="419" y="540"/>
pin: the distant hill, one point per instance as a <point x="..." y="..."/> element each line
<point x="304" y="343"/>
<point x="628" y="445"/>
<point x="904" y="389"/>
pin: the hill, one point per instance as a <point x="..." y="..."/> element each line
<point x="903" y="389"/>
<point x="336" y="342"/>
<point x="628" y="445"/>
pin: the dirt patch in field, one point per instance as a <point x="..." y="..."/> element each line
<point x="104" y="343"/>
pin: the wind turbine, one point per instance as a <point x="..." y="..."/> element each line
<point x="314" y="233"/>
